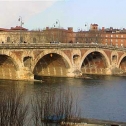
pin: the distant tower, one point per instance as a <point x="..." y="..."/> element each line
<point x="94" y="27"/>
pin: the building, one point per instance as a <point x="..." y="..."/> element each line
<point x="107" y="36"/>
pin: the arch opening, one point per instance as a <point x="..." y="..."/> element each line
<point x="94" y="63"/>
<point x="27" y="61"/>
<point x="76" y="59"/>
<point x="51" y="64"/>
<point x="122" y="65"/>
<point x="114" y="58"/>
<point x="7" y="68"/>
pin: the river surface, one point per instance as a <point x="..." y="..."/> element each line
<point x="102" y="97"/>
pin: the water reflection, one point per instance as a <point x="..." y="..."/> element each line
<point x="102" y="97"/>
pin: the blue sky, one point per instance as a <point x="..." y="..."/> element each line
<point x="69" y="13"/>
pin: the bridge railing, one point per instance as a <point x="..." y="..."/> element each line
<point x="58" y="45"/>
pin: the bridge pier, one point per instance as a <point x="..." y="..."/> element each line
<point x="116" y="71"/>
<point x="25" y="74"/>
<point x="74" y="72"/>
<point x="113" y="70"/>
<point x="108" y="71"/>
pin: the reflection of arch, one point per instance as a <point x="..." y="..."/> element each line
<point x="91" y="51"/>
<point x="121" y="58"/>
<point x="45" y="52"/>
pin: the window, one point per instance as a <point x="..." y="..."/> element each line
<point x="111" y="35"/>
<point x="121" y="40"/>
<point x="86" y="35"/>
<point x="116" y="35"/>
<point x="116" y="40"/>
<point x="121" y="45"/>
<point x="121" y="36"/>
<point x="8" y="39"/>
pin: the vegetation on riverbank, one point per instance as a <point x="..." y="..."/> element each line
<point x="50" y="106"/>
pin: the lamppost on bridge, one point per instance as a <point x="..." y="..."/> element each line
<point x="78" y="29"/>
<point x="21" y="23"/>
<point x="57" y="25"/>
<point x="58" y="22"/>
<point x="86" y="26"/>
<point x="53" y="26"/>
<point x="79" y="36"/>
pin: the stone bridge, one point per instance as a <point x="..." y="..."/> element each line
<point x="24" y="61"/>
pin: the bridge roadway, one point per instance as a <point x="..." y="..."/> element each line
<point x="21" y="61"/>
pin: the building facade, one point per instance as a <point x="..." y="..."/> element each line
<point x="107" y="36"/>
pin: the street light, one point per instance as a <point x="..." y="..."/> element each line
<point x="21" y="23"/>
<point x="86" y="26"/>
<point x="78" y="29"/>
<point x="53" y="26"/>
<point x="58" y="23"/>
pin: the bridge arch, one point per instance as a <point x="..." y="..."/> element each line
<point x="101" y="53"/>
<point x="120" y="60"/>
<point x="122" y="63"/>
<point x="9" y="65"/>
<point x="13" y="58"/>
<point x="59" y="60"/>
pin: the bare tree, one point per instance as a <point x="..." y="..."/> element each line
<point x="54" y="106"/>
<point x="13" y="109"/>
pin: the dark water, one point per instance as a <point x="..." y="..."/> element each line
<point x="102" y="97"/>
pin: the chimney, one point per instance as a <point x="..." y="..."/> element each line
<point x="70" y="29"/>
<point x="103" y="28"/>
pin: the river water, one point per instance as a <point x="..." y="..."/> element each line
<point x="101" y="97"/>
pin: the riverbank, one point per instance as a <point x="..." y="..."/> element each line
<point x="95" y="122"/>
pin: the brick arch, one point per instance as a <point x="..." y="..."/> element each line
<point x="90" y="51"/>
<point x="121" y="58"/>
<point x="13" y="57"/>
<point x="27" y="53"/>
<point x="45" y="52"/>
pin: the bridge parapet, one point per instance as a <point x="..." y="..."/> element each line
<point x="58" y="45"/>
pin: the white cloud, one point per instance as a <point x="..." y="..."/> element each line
<point x="11" y="10"/>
